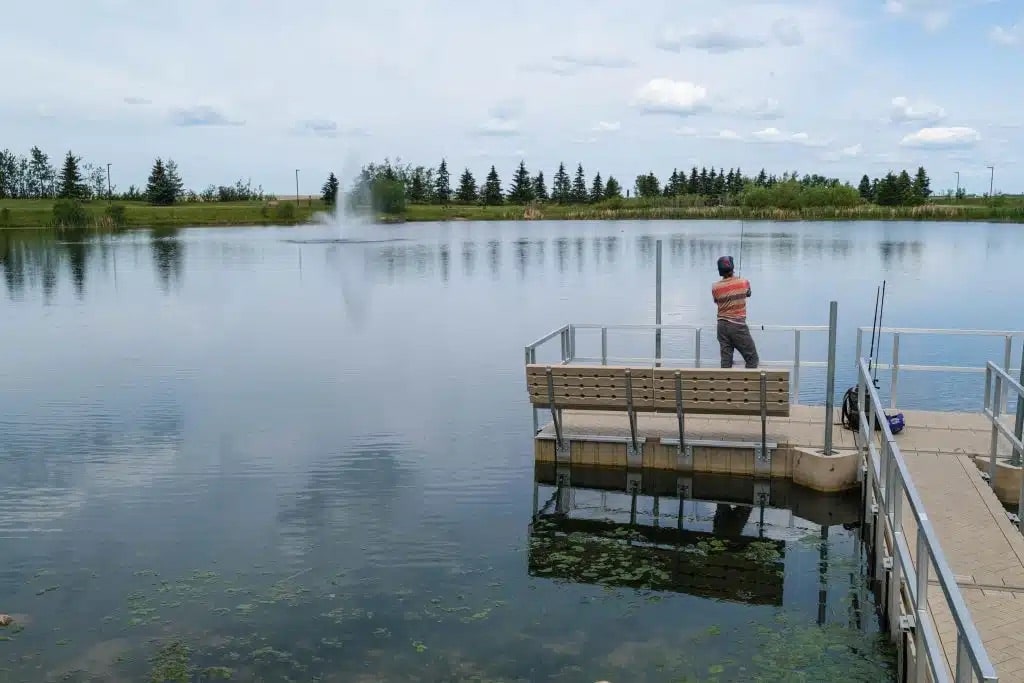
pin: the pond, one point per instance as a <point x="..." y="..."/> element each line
<point x="264" y="451"/>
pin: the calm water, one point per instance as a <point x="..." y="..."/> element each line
<point x="229" y="448"/>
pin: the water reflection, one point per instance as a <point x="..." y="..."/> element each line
<point x="168" y="257"/>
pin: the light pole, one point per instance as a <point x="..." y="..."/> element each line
<point x="109" y="192"/>
<point x="991" y="181"/>
<point x="957" y="184"/>
<point x="296" y="187"/>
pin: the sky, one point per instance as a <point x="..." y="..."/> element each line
<point x="257" y="89"/>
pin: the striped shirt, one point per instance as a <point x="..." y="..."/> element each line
<point x="730" y="293"/>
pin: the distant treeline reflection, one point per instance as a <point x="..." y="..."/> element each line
<point x="33" y="260"/>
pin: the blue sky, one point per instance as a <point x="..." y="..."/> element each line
<point x="256" y="89"/>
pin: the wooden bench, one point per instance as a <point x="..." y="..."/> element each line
<point x="682" y="391"/>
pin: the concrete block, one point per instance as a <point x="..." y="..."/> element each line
<point x="836" y="472"/>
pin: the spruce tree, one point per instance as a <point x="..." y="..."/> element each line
<point x="417" y="191"/>
<point x="693" y="185"/>
<point x="578" y="194"/>
<point x="175" y="186"/>
<point x="157" y="186"/>
<point x="922" y="189"/>
<point x="904" y="188"/>
<point x="70" y="181"/>
<point x="540" y="190"/>
<point x="522" y="186"/>
<point x="561" y="189"/>
<point x="329" y="192"/>
<point x="492" y="195"/>
<point x="864" y="188"/>
<point x="442" y="185"/>
<point x="466" y="193"/>
<point x="597" y="189"/>
<point x="612" y="189"/>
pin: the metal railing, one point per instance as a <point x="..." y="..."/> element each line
<point x="997" y="382"/>
<point x="894" y="366"/>
<point x="568" y="338"/>
<point x="888" y="487"/>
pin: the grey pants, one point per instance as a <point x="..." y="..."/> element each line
<point x="736" y="337"/>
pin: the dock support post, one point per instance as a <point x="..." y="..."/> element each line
<point x="830" y="382"/>
<point x="684" y="453"/>
<point x="633" y="457"/>
<point x="761" y="459"/>
<point x="561" y="452"/>
<point x="657" y="304"/>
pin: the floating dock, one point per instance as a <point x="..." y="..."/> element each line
<point x="948" y="555"/>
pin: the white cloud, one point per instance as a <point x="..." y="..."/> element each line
<point x="942" y="138"/>
<point x="726" y="134"/>
<point x="931" y="14"/>
<point x="665" y="96"/>
<point x="572" y="64"/>
<point x="1011" y="35"/>
<point x="787" y="32"/>
<point x="774" y="135"/>
<point x="606" y="126"/>
<point x="766" y="109"/>
<point x="201" y="115"/>
<point x="503" y="119"/>
<point x="685" y="131"/>
<point x="905" y="111"/>
<point x="852" y="151"/>
<point x="714" y="39"/>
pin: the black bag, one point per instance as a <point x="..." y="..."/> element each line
<point x="850" y="415"/>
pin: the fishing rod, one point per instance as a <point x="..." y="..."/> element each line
<point x="739" y="263"/>
<point x="878" y="349"/>
<point x="874" y="323"/>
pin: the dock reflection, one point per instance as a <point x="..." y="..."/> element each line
<point x="709" y="536"/>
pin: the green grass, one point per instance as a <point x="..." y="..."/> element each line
<point x="647" y="210"/>
<point x="37" y="213"/>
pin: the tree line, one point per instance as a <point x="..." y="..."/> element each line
<point x="33" y="176"/>
<point x="388" y="187"/>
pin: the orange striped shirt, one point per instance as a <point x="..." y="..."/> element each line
<point x="731" y="294"/>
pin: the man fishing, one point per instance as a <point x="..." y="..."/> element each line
<point x="731" y="293"/>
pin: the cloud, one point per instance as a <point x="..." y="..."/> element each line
<point x="1006" y="36"/>
<point x="327" y="129"/>
<point x="665" y="96"/>
<point x="765" y="110"/>
<point x="568" y="65"/>
<point x="932" y="14"/>
<point x="201" y="115"/>
<point x="904" y="111"/>
<point x="727" y="134"/>
<point x="720" y="37"/>
<point x="787" y="32"/>
<point x="137" y="100"/>
<point x="685" y="131"/>
<point x="606" y="126"/>
<point x="776" y="136"/>
<point x="502" y="120"/>
<point x="942" y="138"/>
<point x="850" y="152"/>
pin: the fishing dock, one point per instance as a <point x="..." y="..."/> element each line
<point x="939" y="499"/>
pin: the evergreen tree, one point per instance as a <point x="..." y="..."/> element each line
<point x="693" y="184"/>
<point x="739" y="182"/>
<point x="579" y="187"/>
<point x="40" y="174"/>
<point x="175" y="186"/>
<point x="522" y="186"/>
<point x="466" y="193"/>
<point x="647" y="185"/>
<point x="705" y="184"/>
<point x="492" y="195"/>
<point x="904" y="188"/>
<point x="922" y="186"/>
<point x="718" y="186"/>
<point x="864" y="188"/>
<point x="158" y="188"/>
<point x="540" y="189"/>
<point x="70" y="182"/>
<point x="442" y="185"/>
<point x="561" y="190"/>
<point x="886" y="193"/>
<point x="597" y="189"/>
<point x="762" y="179"/>
<point x="612" y="189"/>
<point x="329" y="192"/>
<point x="417" y="188"/>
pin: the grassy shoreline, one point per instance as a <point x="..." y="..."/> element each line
<point x="29" y="213"/>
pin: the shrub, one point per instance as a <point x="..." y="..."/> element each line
<point x="69" y="213"/>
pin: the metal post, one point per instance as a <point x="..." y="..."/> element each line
<point x="830" y="382"/>
<point x="860" y="345"/>
<point x="657" y="304"/>
<point x="696" y="357"/>
<point x="110" y="192"/>
<point x="996" y="412"/>
<point x="764" y="415"/>
<point x="604" y="346"/>
<point x="1018" y="426"/>
<point x="796" y="366"/>
<point x="296" y="188"/>
<point x="895" y="368"/>
<point x="923" y="560"/>
<point x="572" y="343"/>
<point x="1007" y="358"/>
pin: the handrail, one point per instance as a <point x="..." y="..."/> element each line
<point x="888" y="479"/>
<point x="995" y="377"/>
<point x="568" y="342"/>
<point x="894" y="366"/>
